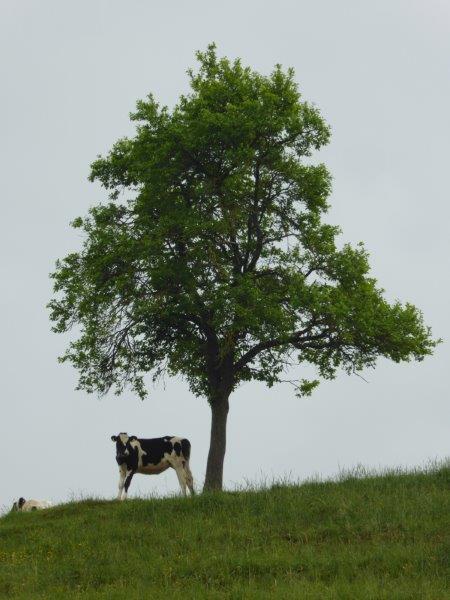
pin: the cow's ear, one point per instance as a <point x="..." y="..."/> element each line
<point x="132" y="438"/>
<point x="21" y="502"/>
<point x="114" y="438"/>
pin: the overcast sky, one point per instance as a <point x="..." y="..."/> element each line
<point x="71" y="72"/>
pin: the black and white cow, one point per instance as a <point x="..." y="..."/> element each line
<point x="152" y="456"/>
<point x="28" y="505"/>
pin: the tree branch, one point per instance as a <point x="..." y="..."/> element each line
<point x="296" y="338"/>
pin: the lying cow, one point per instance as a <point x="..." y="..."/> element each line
<point x="152" y="456"/>
<point x="28" y="505"/>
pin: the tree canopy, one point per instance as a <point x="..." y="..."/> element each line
<point x="212" y="259"/>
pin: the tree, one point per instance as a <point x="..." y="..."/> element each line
<point x="218" y="266"/>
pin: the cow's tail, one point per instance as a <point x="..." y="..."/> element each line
<point x="186" y="448"/>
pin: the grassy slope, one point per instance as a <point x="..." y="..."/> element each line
<point x="376" y="537"/>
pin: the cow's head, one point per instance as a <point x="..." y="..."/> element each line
<point x="18" y="505"/>
<point x="123" y="445"/>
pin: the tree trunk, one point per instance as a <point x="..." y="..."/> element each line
<point x="216" y="455"/>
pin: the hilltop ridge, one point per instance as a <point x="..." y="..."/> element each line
<point x="373" y="537"/>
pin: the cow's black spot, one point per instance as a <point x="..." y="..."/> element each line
<point x="177" y="448"/>
<point x="186" y="447"/>
<point x="128" y="481"/>
<point x="155" y="449"/>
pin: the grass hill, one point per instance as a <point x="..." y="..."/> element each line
<point x="373" y="537"/>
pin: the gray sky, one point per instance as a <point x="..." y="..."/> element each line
<point x="71" y="73"/>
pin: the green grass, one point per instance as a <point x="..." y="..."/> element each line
<point x="383" y="536"/>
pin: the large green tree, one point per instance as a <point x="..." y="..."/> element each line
<point x="211" y="259"/>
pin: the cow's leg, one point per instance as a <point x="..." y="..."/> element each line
<point x="128" y="478"/>
<point x="189" y="478"/>
<point x="122" y="477"/>
<point x="181" y="478"/>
